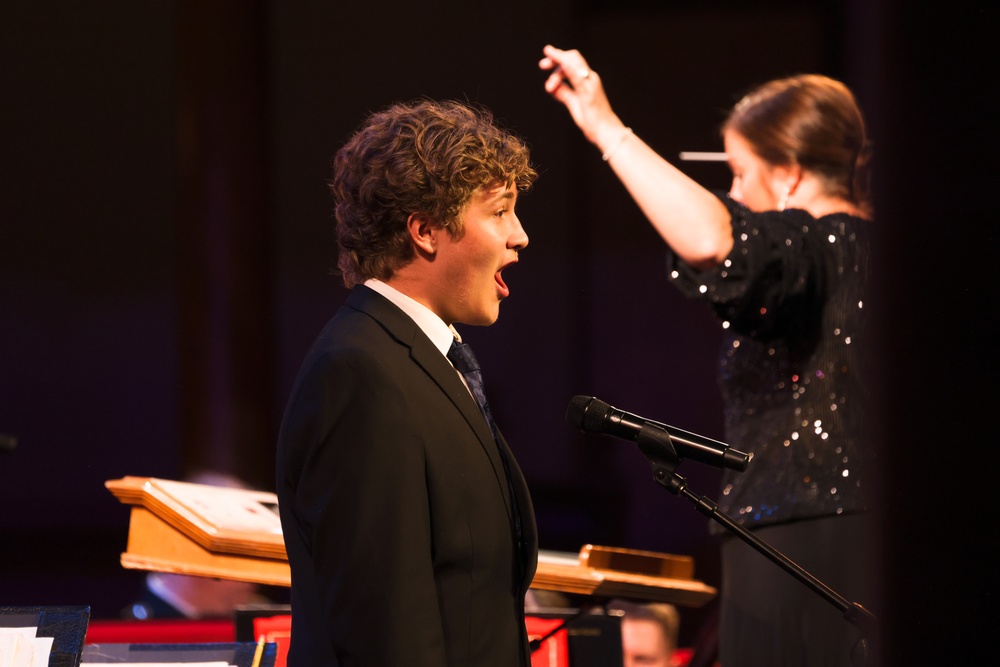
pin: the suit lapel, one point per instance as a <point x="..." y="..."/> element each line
<point x="440" y="370"/>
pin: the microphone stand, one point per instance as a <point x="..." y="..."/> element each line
<point x="664" y="460"/>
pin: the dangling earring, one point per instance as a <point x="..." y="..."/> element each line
<point x="783" y="201"/>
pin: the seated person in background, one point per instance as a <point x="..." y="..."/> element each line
<point x="649" y="633"/>
<point x="176" y="596"/>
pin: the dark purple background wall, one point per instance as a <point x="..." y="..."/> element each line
<point x="165" y="245"/>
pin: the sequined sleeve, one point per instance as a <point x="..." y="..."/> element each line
<point x="774" y="266"/>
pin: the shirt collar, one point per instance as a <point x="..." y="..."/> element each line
<point x="442" y="335"/>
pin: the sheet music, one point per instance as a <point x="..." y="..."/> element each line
<point x="19" y="647"/>
<point x="231" y="509"/>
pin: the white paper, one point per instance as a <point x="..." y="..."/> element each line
<point x="231" y="509"/>
<point x="19" y="647"/>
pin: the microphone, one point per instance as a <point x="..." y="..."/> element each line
<point x="593" y="415"/>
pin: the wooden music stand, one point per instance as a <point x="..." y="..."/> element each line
<point x="202" y="530"/>
<point x="227" y="533"/>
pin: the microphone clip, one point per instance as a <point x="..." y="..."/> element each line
<point x="655" y="444"/>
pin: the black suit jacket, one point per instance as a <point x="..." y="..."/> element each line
<point x="394" y="504"/>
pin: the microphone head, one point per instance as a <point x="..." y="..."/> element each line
<point x="587" y="413"/>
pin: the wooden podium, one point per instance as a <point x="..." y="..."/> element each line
<point x="229" y="533"/>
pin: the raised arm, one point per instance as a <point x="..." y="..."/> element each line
<point x="693" y="222"/>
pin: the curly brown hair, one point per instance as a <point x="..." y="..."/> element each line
<point x="813" y="121"/>
<point x="426" y="157"/>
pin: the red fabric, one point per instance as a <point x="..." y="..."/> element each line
<point x="277" y="629"/>
<point x="179" y="631"/>
<point x="681" y="657"/>
<point x="554" y="651"/>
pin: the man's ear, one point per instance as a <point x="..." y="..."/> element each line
<point x="423" y="233"/>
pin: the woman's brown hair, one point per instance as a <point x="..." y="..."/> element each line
<point x="812" y="121"/>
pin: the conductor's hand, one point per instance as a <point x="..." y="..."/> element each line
<point x="579" y="88"/>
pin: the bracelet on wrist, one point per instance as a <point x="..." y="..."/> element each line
<point x="618" y="144"/>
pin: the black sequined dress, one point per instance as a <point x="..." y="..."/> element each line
<point x="791" y="299"/>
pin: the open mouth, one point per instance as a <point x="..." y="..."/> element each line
<point x="502" y="288"/>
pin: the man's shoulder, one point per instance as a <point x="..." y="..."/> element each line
<point x="369" y="338"/>
<point x="366" y="320"/>
<point x="351" y="336"/>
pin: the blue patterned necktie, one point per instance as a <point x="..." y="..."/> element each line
<point x="465" y="362"/>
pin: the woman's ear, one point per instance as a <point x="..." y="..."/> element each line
<point x="785" y="181"/>
<point x="423" y="233"/>
<point x="788" y="178"/>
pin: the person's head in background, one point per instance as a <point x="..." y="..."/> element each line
<point x="793" y="141"/>
<point x="649" y="632"/>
